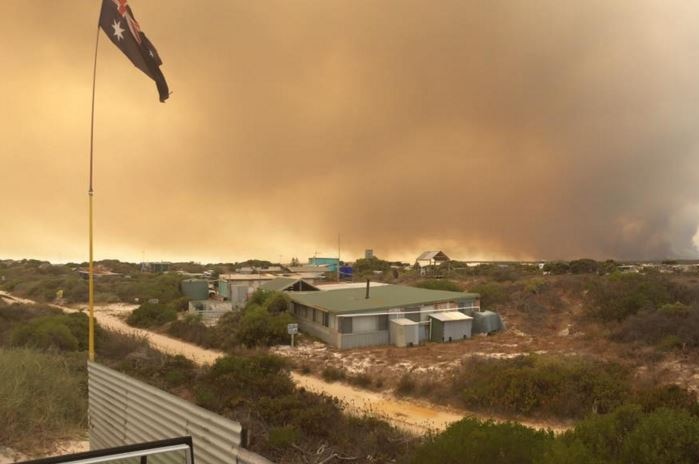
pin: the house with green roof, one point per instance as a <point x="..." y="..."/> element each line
<point x="356" y="317"/>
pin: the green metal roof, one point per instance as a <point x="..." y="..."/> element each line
<point x="279" y="284"/>
<point x="282" y="283"/>
<point x="352" y="300"/>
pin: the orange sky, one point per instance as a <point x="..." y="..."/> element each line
<point x="519" y="129"/>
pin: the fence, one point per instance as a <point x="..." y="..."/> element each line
<point x="123" y="411"/>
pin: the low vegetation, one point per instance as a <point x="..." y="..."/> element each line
<point x="44" y="282"/>
<point x="471" y="441"/>
<point x="150" y="315"/>
<point x="627" y="435"/>
<point x="43" y="398"/>
<point x="618" y="296"/>
<point x="566" y="387"/>
<point x="263" y="322"/>
<point x="439" y="284"/>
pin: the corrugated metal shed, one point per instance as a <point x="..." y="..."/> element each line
<point x="448" y="326"/>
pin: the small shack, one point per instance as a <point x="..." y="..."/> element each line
<point x="404" y="332"/>
<point x="448" y="326"/>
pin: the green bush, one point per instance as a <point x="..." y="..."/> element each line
<point x="151" y="315"/>
<point x="492" y="294"/>
<point x="619" y="296"/>
<point x="283" y="437"/>
<point x="258" y="327"/>
<point x="43" y="398"/>
<point x="671" y="326"/>
<point x="565" y="387"/>
<point x="64" y="332"/>
<point x="628" y="435"/>
<point x="473" y="441"/>
<point x="192" y="329"/>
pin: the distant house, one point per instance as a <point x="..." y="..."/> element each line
<point x="237" y="288"/>
<point x="161" y="266"/>
<point x="428" y="261"/>
<point x="331" y="263"/>
<point x="347" y="318"/>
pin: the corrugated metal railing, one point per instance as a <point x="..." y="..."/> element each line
<point x="123" y="410"/>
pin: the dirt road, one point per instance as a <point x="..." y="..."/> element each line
<point x="415" y="417"/>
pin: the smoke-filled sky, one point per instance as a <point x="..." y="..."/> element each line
<point x="520" y="129"/>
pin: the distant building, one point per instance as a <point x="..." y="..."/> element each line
<point x="195" y="289"/>
<point x="347" y="318"/>
<point x="155" y="267"/>
<point x="331" y="263"/>
<point x="237" y="288"/>
<point x="429" y="261"/>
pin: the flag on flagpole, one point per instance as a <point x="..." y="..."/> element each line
<point x="120" y="25"/>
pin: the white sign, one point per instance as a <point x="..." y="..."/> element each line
<point x="292" y="329"/>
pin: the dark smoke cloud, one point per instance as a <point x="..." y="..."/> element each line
<point x="517" y="129"/>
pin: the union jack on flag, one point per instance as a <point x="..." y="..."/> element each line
<point x="120" y="25"/>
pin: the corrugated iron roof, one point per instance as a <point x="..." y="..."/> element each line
<point x="352" y="300"/>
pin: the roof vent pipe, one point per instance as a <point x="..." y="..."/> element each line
<point x="367" y="288"/>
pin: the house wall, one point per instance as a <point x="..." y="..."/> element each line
<point x="356" y="340"/>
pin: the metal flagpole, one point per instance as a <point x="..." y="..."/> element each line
<point x="91" y="277"/>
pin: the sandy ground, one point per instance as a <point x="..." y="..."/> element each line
<point x="8" y="456"/>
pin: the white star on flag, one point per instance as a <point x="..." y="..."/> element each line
<point x="118" y="31"/>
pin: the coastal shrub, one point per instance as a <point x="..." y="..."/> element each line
<point x="439" y="284"/>
<point x="43" y="398"/>
<point x="258" y="327"/>
<point x="332" y="374"/>
<point x="618" y="296"/>
<point x="151" y="315"/>
<point x="474" y="441"/>
<point x="673" y="325"/>
<point x="560" y="386"/>
<point x="64" y="332"/>
<point x="628" y="435"/>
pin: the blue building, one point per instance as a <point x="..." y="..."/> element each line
<point x="332" y="263"/>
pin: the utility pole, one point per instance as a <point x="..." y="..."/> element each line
<point x="338" y="257"/>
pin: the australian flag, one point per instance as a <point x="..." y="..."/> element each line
<point x="120" y="25"/>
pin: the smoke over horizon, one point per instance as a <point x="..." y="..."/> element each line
<point x="516" y="130"/>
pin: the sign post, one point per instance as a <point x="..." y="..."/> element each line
<point x="292" y="329"/>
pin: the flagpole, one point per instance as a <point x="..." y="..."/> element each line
<point x="91" y="276"/>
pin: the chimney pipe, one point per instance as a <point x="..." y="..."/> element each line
<point x="367" y="288"/>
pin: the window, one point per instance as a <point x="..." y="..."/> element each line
<point x="326" y="319"/>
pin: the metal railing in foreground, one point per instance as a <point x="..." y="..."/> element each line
<point x="180" y="447"/>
